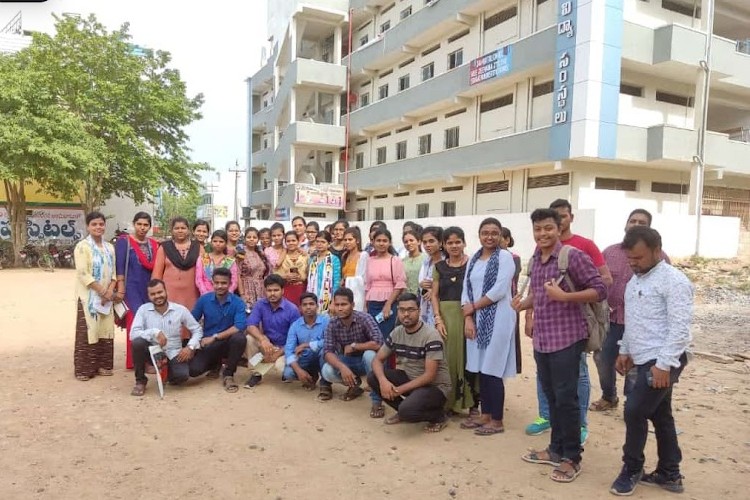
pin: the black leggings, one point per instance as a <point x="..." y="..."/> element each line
<point x="492" y="394"/>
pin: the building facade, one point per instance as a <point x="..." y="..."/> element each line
<point x="461" y="107"/>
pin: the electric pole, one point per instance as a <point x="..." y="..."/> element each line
<point x="236" y="171"/>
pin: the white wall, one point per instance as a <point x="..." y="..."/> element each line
<point x="651" y="14"/>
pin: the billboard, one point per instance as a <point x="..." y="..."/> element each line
<point x="65" y="225"/>
<point x="319" y="196"/>
<point x="496" y="63"/>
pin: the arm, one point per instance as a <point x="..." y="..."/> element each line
<point x="435" y="299"/>
<point x="434" y="354"/>
<point x="606" y="275"/>
<point x="373" y="333"/>
<point x="233" y="270"/>
<point x="586" y="278"/>
<point x="195" y="329"/>
<point x="140" y="329"/>
<point x="200" y="279"/>
<point x="240" y="286"/>
<point x="159" y="264"/>
<point x="362" y="265"/>
<point x="291" y="344"/>
<point x="679" y="315"/>
<point x="598" y="259"/>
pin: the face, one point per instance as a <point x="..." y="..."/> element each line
<point x="309" y="307"/>
<point x="311" y="233"/>
<point x="636" y="220"/>
<point x="180" y="231"/>
<point x="546" y="233"/>
<point x="218" y="244"/>
<point x="381" y="243"/>
<point x="350" y="243"/>
<point x="454" y="245"/>
<point x="277" y="237"/>
<point x="411" y="243"/>
<point x="504" y="242"/>
<point x="251" y="239"/>
<point x="274" y="293"/>
<point x="265" y="239"/>
<point x="298" y="226"/>
<point x="141" y="227"/>
<point x="430" y="243"/>
<point x="234" y="233"/>
<point x="321" y="245"/>
<point x="292" y="243"/>
<point x="157" y="295"/>
<point x="489" y="236"/>
<point x="96" y="228"/>
<point x="342" y="306"/>
<point x="641" y="258"/>
<point x="408" y="313"/>
<point x="565" y="218"/>
<point x="201" y="233"/>
<point x="221" y="285"/>
<point x="338" y="232"/>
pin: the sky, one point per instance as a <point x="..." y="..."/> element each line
<point x="215" y="45"/>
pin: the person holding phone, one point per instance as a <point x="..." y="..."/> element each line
<point x="293" y="268"/>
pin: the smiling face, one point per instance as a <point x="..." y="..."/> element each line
<point x="265" y="238"/>
<point x="201" y="233"/>
<point x="546" y="233"/>
<point x="157" y="294"/>
<point x="489" y="236"/>
<point x="234" y="234"/>
<point x="292" y="242"/>
<point x="430" y="244"/>
<point x="96" y="227"/>
<point x="454" y="246"/>
<point x="251" y="239"/>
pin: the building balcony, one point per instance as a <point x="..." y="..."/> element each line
<point x="262" y="157"/>
<point x="311" y="135"/>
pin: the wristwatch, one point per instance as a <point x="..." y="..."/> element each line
<point x="353" y="345"/>
<point x="192" y="347"/>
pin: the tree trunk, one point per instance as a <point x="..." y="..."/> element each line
<point x="92" y="195"/>
<point x="15" y="195"/>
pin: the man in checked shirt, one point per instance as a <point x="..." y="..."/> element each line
<point x="560" y="335"/>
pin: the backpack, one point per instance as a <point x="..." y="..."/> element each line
<point x="595" y="313"/>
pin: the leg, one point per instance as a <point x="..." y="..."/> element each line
<point x="105" y="351"/>
<point x="472" y="380"/>
<point x="139" y="353"/>
<point x="179" y="373"/>
<point x="541" y="398"/>
<point x="252" y="347"/>
<point x="205" y="358"/>
<point x="424" y="404"/>
<point x="310" y="362"/>
<point x="395" y="377"/>
<point x="562" y="392"/>
<point x="367" y="358"/>
<point x="233" y="351"/>
<point x="605" y="363"/>
<point x="493" y="399"/>
<point x="544" y="380"/>
<point x="84" y="354"/>
<point x="129" y="317"/>
<point x="584" y="389"/>
<point x="667" y="446"/>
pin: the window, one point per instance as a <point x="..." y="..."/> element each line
<point x="384" y="135"/>
<point x="455" y="59"/>
<point x="669" y="188"/>
<point x="401" y="150"/>
<point x="385" y="73"/>
<point x="383" y="91"/>
<point x="499" y="102"/>
<point x="364" y="40"/>
<point x="398" y="212"/>
<point x="314" y="215"/>
<point x="380" y="196"/>
<point x="615" y="184"/>
<point x="403" y="83"/>
<point x="502" y="16"/>
<point x="428" y="121"/>
<point x="382" y="155"/>
<point x="385" y="26"/>
<point x="359" y="161"/>
<point x="406" y="63"/>
<point x="379" y="213"/>
<point x="451" y="138"/>
<point x="423" y="210"/>
<point x="425" y="191"/>
<point x="360" y="214"/>
<point x="633" y="90"/>
<point x="458" y="36"/>
<point x="455" y="113"/>
<point x="403" y="129"/>
<point x="449" y="209"/>
<point x="430" y="50"/>
<point x="492" y="187"/>
<point x="674" y="99"/>
<point x="544" y="181"/>
<point x="449" y="189"/>
<point x="428" y="71"/>
<point x="425" y="144"/>
<point x="401" y="195"/>
<point x="405" y="13"/>
<point x="682" y="7"/>
<point x="364" y="99"/>
<point x="542" y="89"/>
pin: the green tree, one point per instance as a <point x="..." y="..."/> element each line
<point x="40" y="141"/>
<point x="175" y="204"/>
<point x="130" y="99"/>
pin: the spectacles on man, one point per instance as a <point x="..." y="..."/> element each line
<point x="407" y="310"/>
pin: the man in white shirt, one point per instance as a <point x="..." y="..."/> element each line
<point x="658" y="312"/>
<point x="160" y="322"/>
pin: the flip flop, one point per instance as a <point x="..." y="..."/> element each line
<point x="488" y="430"/>
<point x="377" y="411"/>
<point x="562" y="476"/>
<point x="230" y="385"/>
<point x="433" y="427"/>
<point x="392" y="420"/>
<point x="471" y="424"/>
<point x="326" y="393"/>
<point x="535" y="457"/>
<point x="352" y="393"/>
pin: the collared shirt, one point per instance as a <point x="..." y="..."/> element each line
<point x="148" y="322"/>
<point x="362" y="329"/>
<point x="558" y="325"/>
<point x="218" y="316"/>
<point x="658" y="312"/>
<point x="275" y="323"/>
<point x="300" y="333"/>
<point x="617" y="262"/>
<point x="586" y="246"/>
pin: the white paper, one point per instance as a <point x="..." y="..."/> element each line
<point x="120" y="309"/>
<point x="102" y="308"/>
<point x="154" y="350"/>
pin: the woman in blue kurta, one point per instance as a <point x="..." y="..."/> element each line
<point x="324" y="272"/>
<point x="134" y="258"/>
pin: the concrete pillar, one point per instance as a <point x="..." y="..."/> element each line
<point x="337" y="110"/>
<point x="526" y="11"/>
<point x="292" y="105"/>
<point x="292" y="164"/>
<point x="293" y="38"/>
<point x="337" y="168"/>
<point x="337" y="45"/>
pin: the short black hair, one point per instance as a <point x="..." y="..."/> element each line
<point x="308" y="295"/>
<point x="222" y="271"/>
<point x="220" y="233"/>
<point x="142" y="215"/>
<point x="642" y="211"/>
<point x="230" y="224"/>
<point x="344" y="292"/>
<point x="343" y="222"/>
<point x="95" y="215"/>
<point x="505" y="232"/>
<point x="490" y="221"/>
<point x="377" y="224"/>
<point x="647" y="235"/>
<point x="407" y="297"/>
<point x="177" y="220"/>
<point x="155" y="282"/>
<point x="273" y="279"/>
<point x="561" y="203"/>
<point x="325" y="235"/>
<point x="201" y="222"/>
<point x="541" y="214"/>
<point x="436" y="231"/>
<point x="277" y="226"/>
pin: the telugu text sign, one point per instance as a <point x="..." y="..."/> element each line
<point x="319" y="196"/>
<point x="65" y="225"/>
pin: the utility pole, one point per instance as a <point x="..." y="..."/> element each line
<point x="211" y="189"/>
<point x="236" y="171"/>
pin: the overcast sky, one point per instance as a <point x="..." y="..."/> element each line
<point x="215" y="45"/>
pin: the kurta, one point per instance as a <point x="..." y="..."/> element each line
<point x="412" y="266"/>
<point x="324" y="277"/>
<point x="204" y="272"/>
<point x="499" y="358"/>
<point x="180" y="284"/>
<point x="100" y="326"/>
<point x="252" y="272"/>
<point x="136" y="275"/>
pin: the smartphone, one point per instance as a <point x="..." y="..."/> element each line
<point x="293" y="270"/>
<point x="380" y="318"/>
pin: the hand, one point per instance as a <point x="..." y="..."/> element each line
<point x="276" y="354"/>
<point x="623" y="364"/>
<point x="185" y="355"/>
<point x="425" y="284"/>
<point x="468" y="309"/>
<point x="267" y="347"/>
<point x="161" y="339"/>
<point x="440" y="327"/>
<point x="387" y="310"/>
<point x="517" y="303"/>
<point x="301" y="348"/>
<point x="206" y="341"/>
<point x="470" y="329"/>
<point x="388" y="391"/>
<point x="660" y="378"/>
<point x="349" y="350"/>
<point x="528" y="327"/>
<point x="350" y="380"/>
<point x="554" y="291"/>
<point x="302" y="375"/>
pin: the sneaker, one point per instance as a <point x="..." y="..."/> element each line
<point x="538" y="426"/>
<point x="625" y="483"/>
<point x="656" y="478"/>
<point x="254" y="380"/>
<point x="584" y="435"/>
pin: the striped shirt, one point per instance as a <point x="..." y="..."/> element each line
<point x="362" y="329"/>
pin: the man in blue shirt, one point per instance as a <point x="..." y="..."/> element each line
<point x="304" y="345"/>
<point x="224" y="319"/>
<point x="268" y="326"/>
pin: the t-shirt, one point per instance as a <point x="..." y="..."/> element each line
<point x="586" y="246"/>
<point x="412" y="349"/>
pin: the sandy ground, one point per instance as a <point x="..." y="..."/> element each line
<point x="60" y="438"/>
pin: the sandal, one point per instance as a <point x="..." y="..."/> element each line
<point x="230" y="385"/>
<point x="83" y="378"/>
<point x="488" y="430"/>
<point x="352" y="393"/>
<point x="138" y="390"/>
<point x="604" y="405"/>
<point x="213" y="373"/>
<point x="433" y="427"/>
<point x="326" y="393"/>
<point x="377" y="411"/>
<point x="471" y="424"/>
<point x="541" y="457"/>
<point x="566" y="472"/>
<point x="105" y="372"/>
<point x="392" y="420"/>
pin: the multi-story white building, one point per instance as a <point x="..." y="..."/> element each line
<point x="465" y="107"/>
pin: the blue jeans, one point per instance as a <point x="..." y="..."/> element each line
<point x="387" y="326"/>
<point x="309" y="361"/>
<point x="605" y="364"/>
<point x="360" y="365"/>
<point x="584" y="393"/>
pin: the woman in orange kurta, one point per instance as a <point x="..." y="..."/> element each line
<point x="175" y="264"/>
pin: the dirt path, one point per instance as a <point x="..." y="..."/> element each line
<point x="60" y="438"/>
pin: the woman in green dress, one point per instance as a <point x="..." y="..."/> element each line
<point x="412" y="261"/>
<point x="447" y="284"/>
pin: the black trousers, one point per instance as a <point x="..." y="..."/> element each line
<point x="423" y="404"/>
<point x="210" y="356"/>
<point x="177" y="372"/>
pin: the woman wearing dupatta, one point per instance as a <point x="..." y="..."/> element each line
<point x="432" y="241"/>
<point x="95" y="292"/>
<point x="175" y="264"/>
<point x="135" y="257"/>
<point x="218" y="257"/>
<point x="324" y="275"/>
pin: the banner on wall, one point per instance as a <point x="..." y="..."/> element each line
<point x="496" y="63"/>
<point x="319" y="195"/>
<point x="64" y="225"/>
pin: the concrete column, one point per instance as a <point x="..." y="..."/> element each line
<point x="292" y="105"/>
<point x="521" y="106"/>
<point x="337" y="45"/>
<point x="337" y="110"/>
<point x="293" y="38"/>
<point x="292" y="164"/>
<point x="526" y="12"/>
<point x="336" y="170"/>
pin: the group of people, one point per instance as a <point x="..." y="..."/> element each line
<point x="432" y="329"/>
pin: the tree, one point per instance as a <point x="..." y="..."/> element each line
<point x="175" y="204"/>
<point x="40" y="141"/>
<point x="129" y="99"/>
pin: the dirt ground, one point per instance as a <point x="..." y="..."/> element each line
<point x="60" y="438"/>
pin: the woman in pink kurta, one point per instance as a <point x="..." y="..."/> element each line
<point x="216" y="258"/>
<point x="275" y="251"/>
<point x="385" y="279"/>
<point x="253" y="268"/>
<point x="175" y="264"/>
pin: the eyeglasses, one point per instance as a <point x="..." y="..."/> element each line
<point x="407" y="310"/>
<point x="489" y="234"/>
